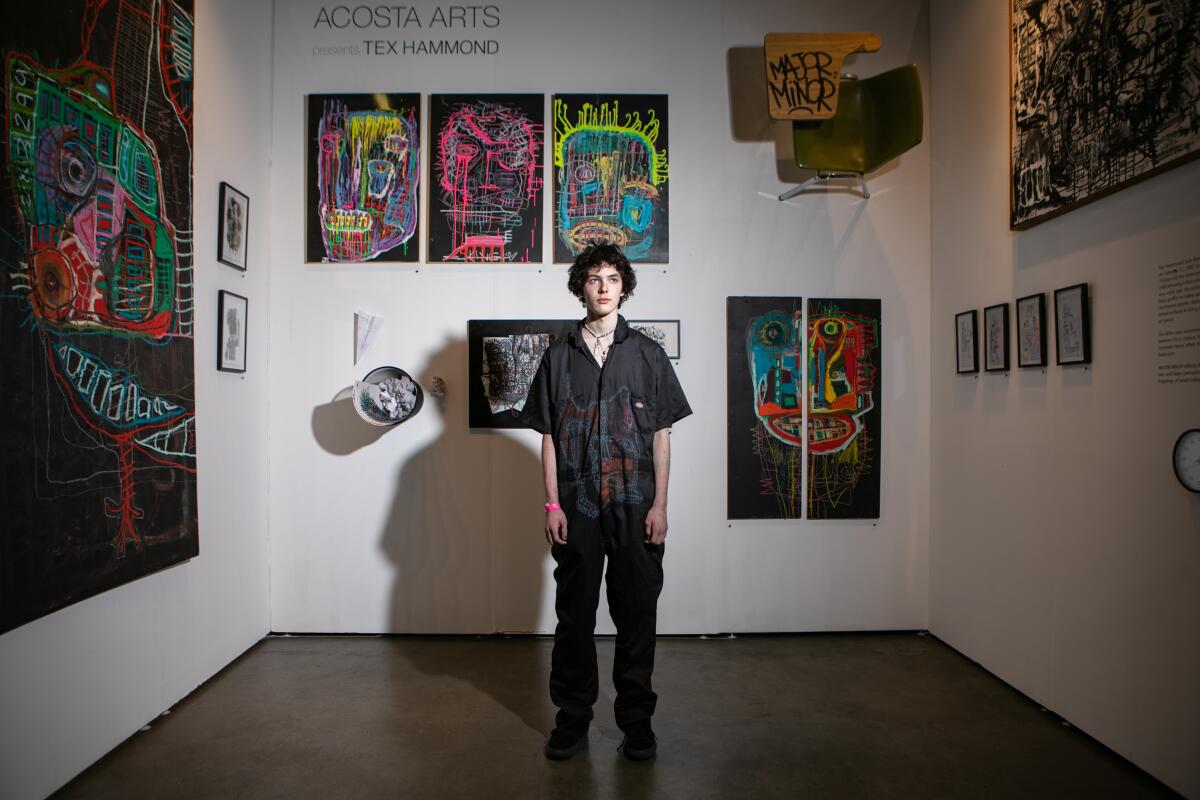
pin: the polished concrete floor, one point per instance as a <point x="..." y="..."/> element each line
<point x="821" y="716"/>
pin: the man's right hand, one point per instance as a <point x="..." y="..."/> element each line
<point x="556" y="527"/>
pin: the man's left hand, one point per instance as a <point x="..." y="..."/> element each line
<point x="656" y="525"/>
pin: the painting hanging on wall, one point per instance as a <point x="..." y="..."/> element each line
<point x="764" y="379"/>
<point x="966" y="349"/>
<point x="995" y="338"/>
<point x="1031" y="330"/>
<point x="232" y="331"/>
<point x="1073" y="324"/>
<point x="363" y="180"/>
<point x="233" y="227"/>
<point x="844" y="415"/>
<point x="1103" y="94"/>
<point x="503" y="356"/>
<point x="610" y="175"/>
<point x="97" y="314"/>
<point x="486" y="168"/>
<point x="664" y="332"/>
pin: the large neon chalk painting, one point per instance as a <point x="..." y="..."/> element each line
<point x="804" y="408"/>
<point x="364" y="170"/>
<point x="610" y="175"/>
<point x="96" y="320"/>
<point x="486" y="164"/>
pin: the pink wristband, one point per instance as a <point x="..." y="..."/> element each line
<point x="552" y="507"/>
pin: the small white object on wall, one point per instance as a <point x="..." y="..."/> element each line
<point x="366" y="328"/>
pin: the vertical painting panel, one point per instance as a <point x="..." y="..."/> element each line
<point x="363" y="182"/>
<point x="503" y="356"/>
<point x="764" y="352"/>
<point x="486" y="166"/>
<point x="1103" y="93"/>
<point x="96" y="316"/>
<point x="843" y="408"/>
<point x="610" y="175"/>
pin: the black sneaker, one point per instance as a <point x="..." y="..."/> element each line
<point x="565" y="742"/>
<point x="640" y="743"/>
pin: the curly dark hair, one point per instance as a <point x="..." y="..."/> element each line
<point x="594" y="257"/>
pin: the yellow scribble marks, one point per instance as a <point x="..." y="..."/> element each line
<point x="831" y="394"/>
<point x="834" y="477"/>
<point x="607" y="117"/>
<point x="367" y="129"/>
<point x="348" y="221"/>
<point x="605" y="166"/>
<point x="366" y="133"/>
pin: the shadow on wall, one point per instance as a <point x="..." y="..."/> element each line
<point x="748" y="117"/>
<point x="464" y="530"/>
<point x="339" y="429"/>
<point x="464" y="536"/>
<point x="749" y="120"/>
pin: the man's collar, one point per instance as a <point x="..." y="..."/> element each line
<point x="622" y="329"/>
<point x="619" y="335"/>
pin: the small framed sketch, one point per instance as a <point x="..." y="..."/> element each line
<point x="231" y="332"/>
<point x="995" y="338"/>
<point x="233" y="227"/>
<point x="1031" y="330"/>
<point x="966" y="329"/>
<point x="663" y="331"/>
<point x="1073" y="324"/>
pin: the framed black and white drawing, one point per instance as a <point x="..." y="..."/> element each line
<point x="995" y="338"/>
<point x="503" y="356"/>
<point x="663" y="331"/>
<point x="231" y="332"/>
<point x="1104" y="93"/>
<point x="1031" y="330"/>
<point x="1073" y="324"/>
<point x="233" y="227"/>
<point x="966" y="330"/>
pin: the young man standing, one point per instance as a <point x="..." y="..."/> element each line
<point x="604" y="399"/>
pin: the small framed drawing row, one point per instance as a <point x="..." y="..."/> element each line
<point x="1072" y="329"/>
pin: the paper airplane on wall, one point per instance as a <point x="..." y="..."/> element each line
<point x="366" y="327"/>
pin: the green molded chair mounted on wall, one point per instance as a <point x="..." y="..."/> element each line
<point x="877" y="119"/>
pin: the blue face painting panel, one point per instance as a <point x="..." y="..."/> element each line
<point x="611" y="175"/>
<point x="764" y="351"/>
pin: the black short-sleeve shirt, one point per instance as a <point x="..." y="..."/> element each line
<point x="603" y="421"/>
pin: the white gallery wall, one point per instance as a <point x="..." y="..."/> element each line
<point x="1063" y="554"/>
<point x="433" y="527"/>
<point x="80" y="681"/>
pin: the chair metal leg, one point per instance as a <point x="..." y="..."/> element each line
<point x="823" y="178"/>
<point x="795" y="190"/>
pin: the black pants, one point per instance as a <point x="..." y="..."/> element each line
<point x="634" y="581"/>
